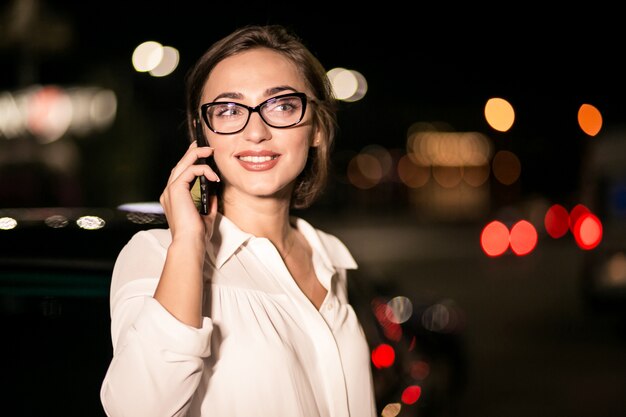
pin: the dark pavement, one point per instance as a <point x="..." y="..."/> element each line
<point x="534" y="347"/>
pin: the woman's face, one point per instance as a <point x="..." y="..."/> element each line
<point x="260" y="160"/>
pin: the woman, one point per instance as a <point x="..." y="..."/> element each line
<point x="243" y="311"/>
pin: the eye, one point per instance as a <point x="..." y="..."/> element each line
<point x="283" y="105"/>
<point x="226" y="110"/>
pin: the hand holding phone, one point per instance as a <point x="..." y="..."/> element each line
<point x="207" y="187"/>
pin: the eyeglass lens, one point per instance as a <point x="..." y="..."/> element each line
<point x="231" y="117"/>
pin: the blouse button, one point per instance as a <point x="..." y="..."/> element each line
<point x="329" y="306"/>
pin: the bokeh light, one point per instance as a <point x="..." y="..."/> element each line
<point x="616" y="270"/>
<point x="154" y="58"/>
<point x="411" y="394"/>
<point x="412" y="174"/>
<point x="51" y="112"/>
<point x="523" y="238"/>
<point x="499" y="114"/>
<point x="506" y="167"/>
<point x="147" y="56"/>
<point x="588" y="231"/>
<point x="556" y="221"/>
<point x="494" y="239"/>
<point x="348" y="85"/>
<point x="578" y="211"/>
<point x="400" y="308"/>
<point x="168" y="63"/>
<point x="589" y="119"/>
<point x="7" y="223"/>
<point x="383" y="356"/>
<point x="391" y="410"/>
<point x="420" y="370"/>
<point x="90" y="222"/>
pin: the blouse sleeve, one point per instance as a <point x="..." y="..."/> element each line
<point x="157" y="360"/>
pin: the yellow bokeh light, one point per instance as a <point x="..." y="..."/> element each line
<point x="499" y="114"/>
<point x="447" y="176"/>
<point x="364" y="171"/>
<point x="411" y="174"/>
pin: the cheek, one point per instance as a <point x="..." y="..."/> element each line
<point x="219" y="152"/>
<point x="220" y="160"/>
<point x="301" y="158"/>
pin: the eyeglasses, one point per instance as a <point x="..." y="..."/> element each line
<point x="227" y="118"/>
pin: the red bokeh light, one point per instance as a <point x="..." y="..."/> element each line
<point x="383" y="356"/>
<point x="382" y="311"/>
<point x="420" y="370"/>
<point x="523" y="238"/>
<point x="587" y="231"/>
<point x="556" y="221"/>
<point x="575" y="214"/>
<point x="411" y="394"/>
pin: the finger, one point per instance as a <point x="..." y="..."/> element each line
<point x="190" y="158"/>
<point x="208" y="172"/>
<point x="192" y="172"/>
<point x="194" y="152"/>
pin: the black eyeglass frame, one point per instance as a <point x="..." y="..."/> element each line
<point x="256" y="109"/>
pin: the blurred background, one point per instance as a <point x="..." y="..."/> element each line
<point x="479" y="177"/>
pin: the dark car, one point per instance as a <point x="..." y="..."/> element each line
<point x="55" y="270"/>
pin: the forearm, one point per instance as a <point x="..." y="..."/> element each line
<point x="157" y="365"/>
<point x="180" y="287"/>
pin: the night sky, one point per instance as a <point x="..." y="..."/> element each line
<point x="438" y="64"/>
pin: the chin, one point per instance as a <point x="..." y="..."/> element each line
<point x="277" y="192"/>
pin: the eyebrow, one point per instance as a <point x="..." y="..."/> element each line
<point x="268" y="93"/>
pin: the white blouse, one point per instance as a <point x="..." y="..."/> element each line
<point x="263" y="348"/>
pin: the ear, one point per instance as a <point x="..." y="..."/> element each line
<point x="316" y="138"/>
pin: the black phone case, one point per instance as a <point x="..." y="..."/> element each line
<point x="206" y="187"/>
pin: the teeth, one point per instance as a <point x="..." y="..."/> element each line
<point x="256" y="159"/>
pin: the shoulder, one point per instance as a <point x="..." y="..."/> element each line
<point x="142" y="256"/>
<point x="148" y="239"/>
<point x="328" y="244"/>
<point x="145" y="242"/>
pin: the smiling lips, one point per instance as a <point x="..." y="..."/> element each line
<point x="258" y="161"/>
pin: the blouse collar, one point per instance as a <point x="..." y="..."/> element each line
<point x="228" y="238"/>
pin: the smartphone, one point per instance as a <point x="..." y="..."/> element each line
<point x="207" y="187"/>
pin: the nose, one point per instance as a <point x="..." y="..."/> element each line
<point x="256" y="130"/>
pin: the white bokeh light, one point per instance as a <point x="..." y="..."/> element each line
<point x="147" y="56"/>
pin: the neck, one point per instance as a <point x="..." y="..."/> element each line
<point x="262" y="217"/>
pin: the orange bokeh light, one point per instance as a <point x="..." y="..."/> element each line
<point x="523" y="238"/>
<point x="494" y="239"/>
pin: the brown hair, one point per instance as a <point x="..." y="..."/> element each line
<point x="312" y="180"/>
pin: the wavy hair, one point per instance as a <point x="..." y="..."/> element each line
<point x="311" y="182"/>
